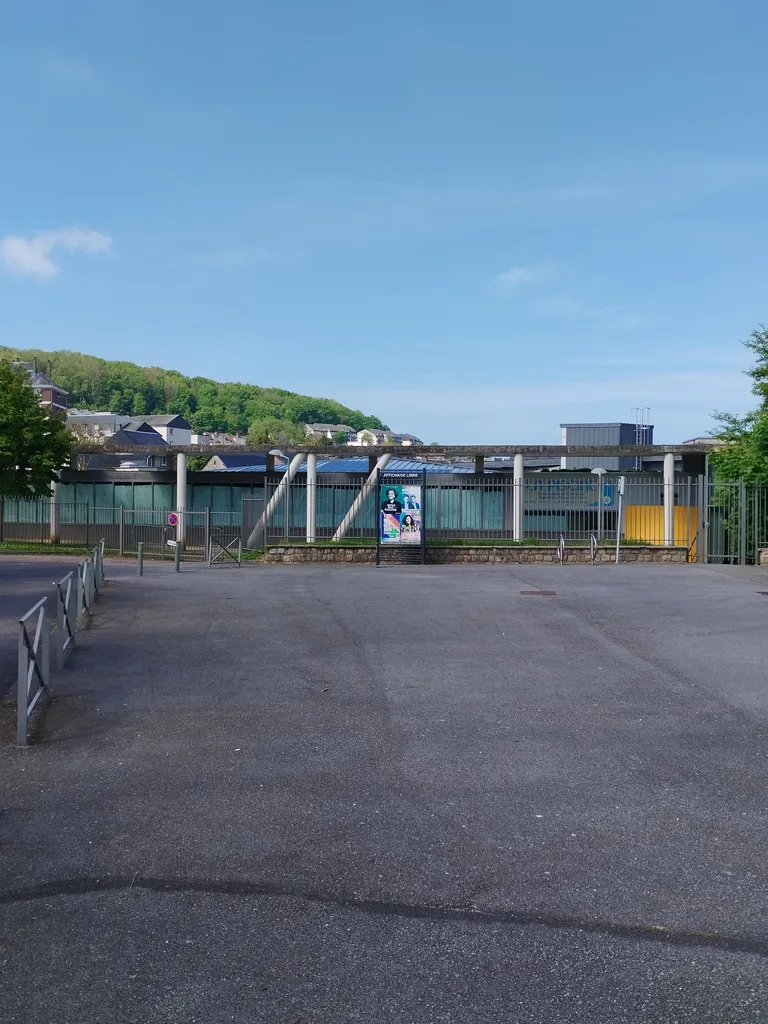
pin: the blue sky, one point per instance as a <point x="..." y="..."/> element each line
<point x="475" y="220"/>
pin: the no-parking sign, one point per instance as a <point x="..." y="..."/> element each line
<point x="173" y="519"/>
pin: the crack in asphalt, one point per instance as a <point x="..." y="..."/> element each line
<point x="754" y="945"/>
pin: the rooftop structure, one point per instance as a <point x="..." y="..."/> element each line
<point x="52" y="397"/>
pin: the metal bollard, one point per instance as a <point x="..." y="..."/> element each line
<point x="177" y="557"/>
<point x="141" y="558"/>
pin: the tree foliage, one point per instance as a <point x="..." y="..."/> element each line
<point x="745" y="452"/>
<point x="339" y="437"/>
<point x="131" y="390"/>
<point x="272" y="430"/>
<point x="33" y="446"/>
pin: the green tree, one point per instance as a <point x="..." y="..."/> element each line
<point x="271" y="430"/>
<point x="744" y="454"/>
<point x="339" y="437"/>
<point x="33" y="445"/>
<point x="121" y="387"/>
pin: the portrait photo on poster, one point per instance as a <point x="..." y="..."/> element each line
<point x="400" y="514"/>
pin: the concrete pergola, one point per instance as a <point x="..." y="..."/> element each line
<point x="378" y="458"/>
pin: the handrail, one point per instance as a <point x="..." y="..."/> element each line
<point x="34" y="665"/>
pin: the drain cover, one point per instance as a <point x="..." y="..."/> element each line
<point x="537" y="593"/>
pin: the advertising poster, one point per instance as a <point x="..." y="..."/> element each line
<point x="400" y="514"/>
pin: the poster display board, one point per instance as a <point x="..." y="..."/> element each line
<point x="400" y="513"/>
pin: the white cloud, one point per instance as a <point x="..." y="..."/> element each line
<point x="32" y="257"/>
<point x="518" y="277"/>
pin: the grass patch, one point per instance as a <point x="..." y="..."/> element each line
<point x="253" y="556"/>
<point x="20" y="547"/>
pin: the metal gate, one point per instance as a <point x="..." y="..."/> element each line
<point x="736" y="521"/>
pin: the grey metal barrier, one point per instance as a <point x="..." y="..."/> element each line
<point x="86" y="591"/>
<point x="222" y="551"/>
<point x="75" y="596"/>
<point x="34" y="665"/>
<point x="561" y="549"/>
<point x="592" y="548"/>
<point x="66" y="625"/>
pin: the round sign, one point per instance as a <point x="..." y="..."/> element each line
<point x="173" y="519"/>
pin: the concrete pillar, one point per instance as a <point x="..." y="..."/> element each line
<point x="55" y="516"/>
<point x="359" y="501"/>
<point x="372" y="460"/>
<point x="257" y="538"/>
<point x="669" y="499"/>
<point x="479" y="463"/>
<point x="311" y="497"/>
<point x="518" y="497"/>
<point x="270" y="468"/>
<point x="181" y="496"/>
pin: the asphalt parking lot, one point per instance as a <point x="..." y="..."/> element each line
<point x="309" y="793"/>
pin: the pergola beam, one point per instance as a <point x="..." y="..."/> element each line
<point x="553" y="451"/>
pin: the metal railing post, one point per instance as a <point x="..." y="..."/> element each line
<point x="22" y="688"/>
<point x="702" y="543"/>
<point x="141" y="558"/>
<point x="79" y="595"/>
<point x="65" y="625"/>
<point x="177" y="557"/>
<point x="34" y="661"/>
<point x="87" y="522"/>
<point x="742" y="523"/>
<point x="207" y="538"/>
<point x="61" y="627"/>
<point x="121" y="532"/>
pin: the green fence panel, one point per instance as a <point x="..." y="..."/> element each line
<point x="164" y="495"/>
<point x="124" y="495"/>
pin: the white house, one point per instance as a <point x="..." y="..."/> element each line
<point x="172" y="428"/>
<point x="327" y="430"/>
<point x="363" y="438"/>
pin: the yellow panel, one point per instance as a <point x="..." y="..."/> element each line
<point x="646" y="523"/>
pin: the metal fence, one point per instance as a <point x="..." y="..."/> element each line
<point x="464" y="507"/>
<point x="36" y="525"/>
<point x="716" y="521"/>
<point x="737" y="522"/>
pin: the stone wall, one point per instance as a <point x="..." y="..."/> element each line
<point x="342" y="554"/>
<point x="762" y="556"/>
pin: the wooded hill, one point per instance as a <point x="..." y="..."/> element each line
<point x="122" y="387"/>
